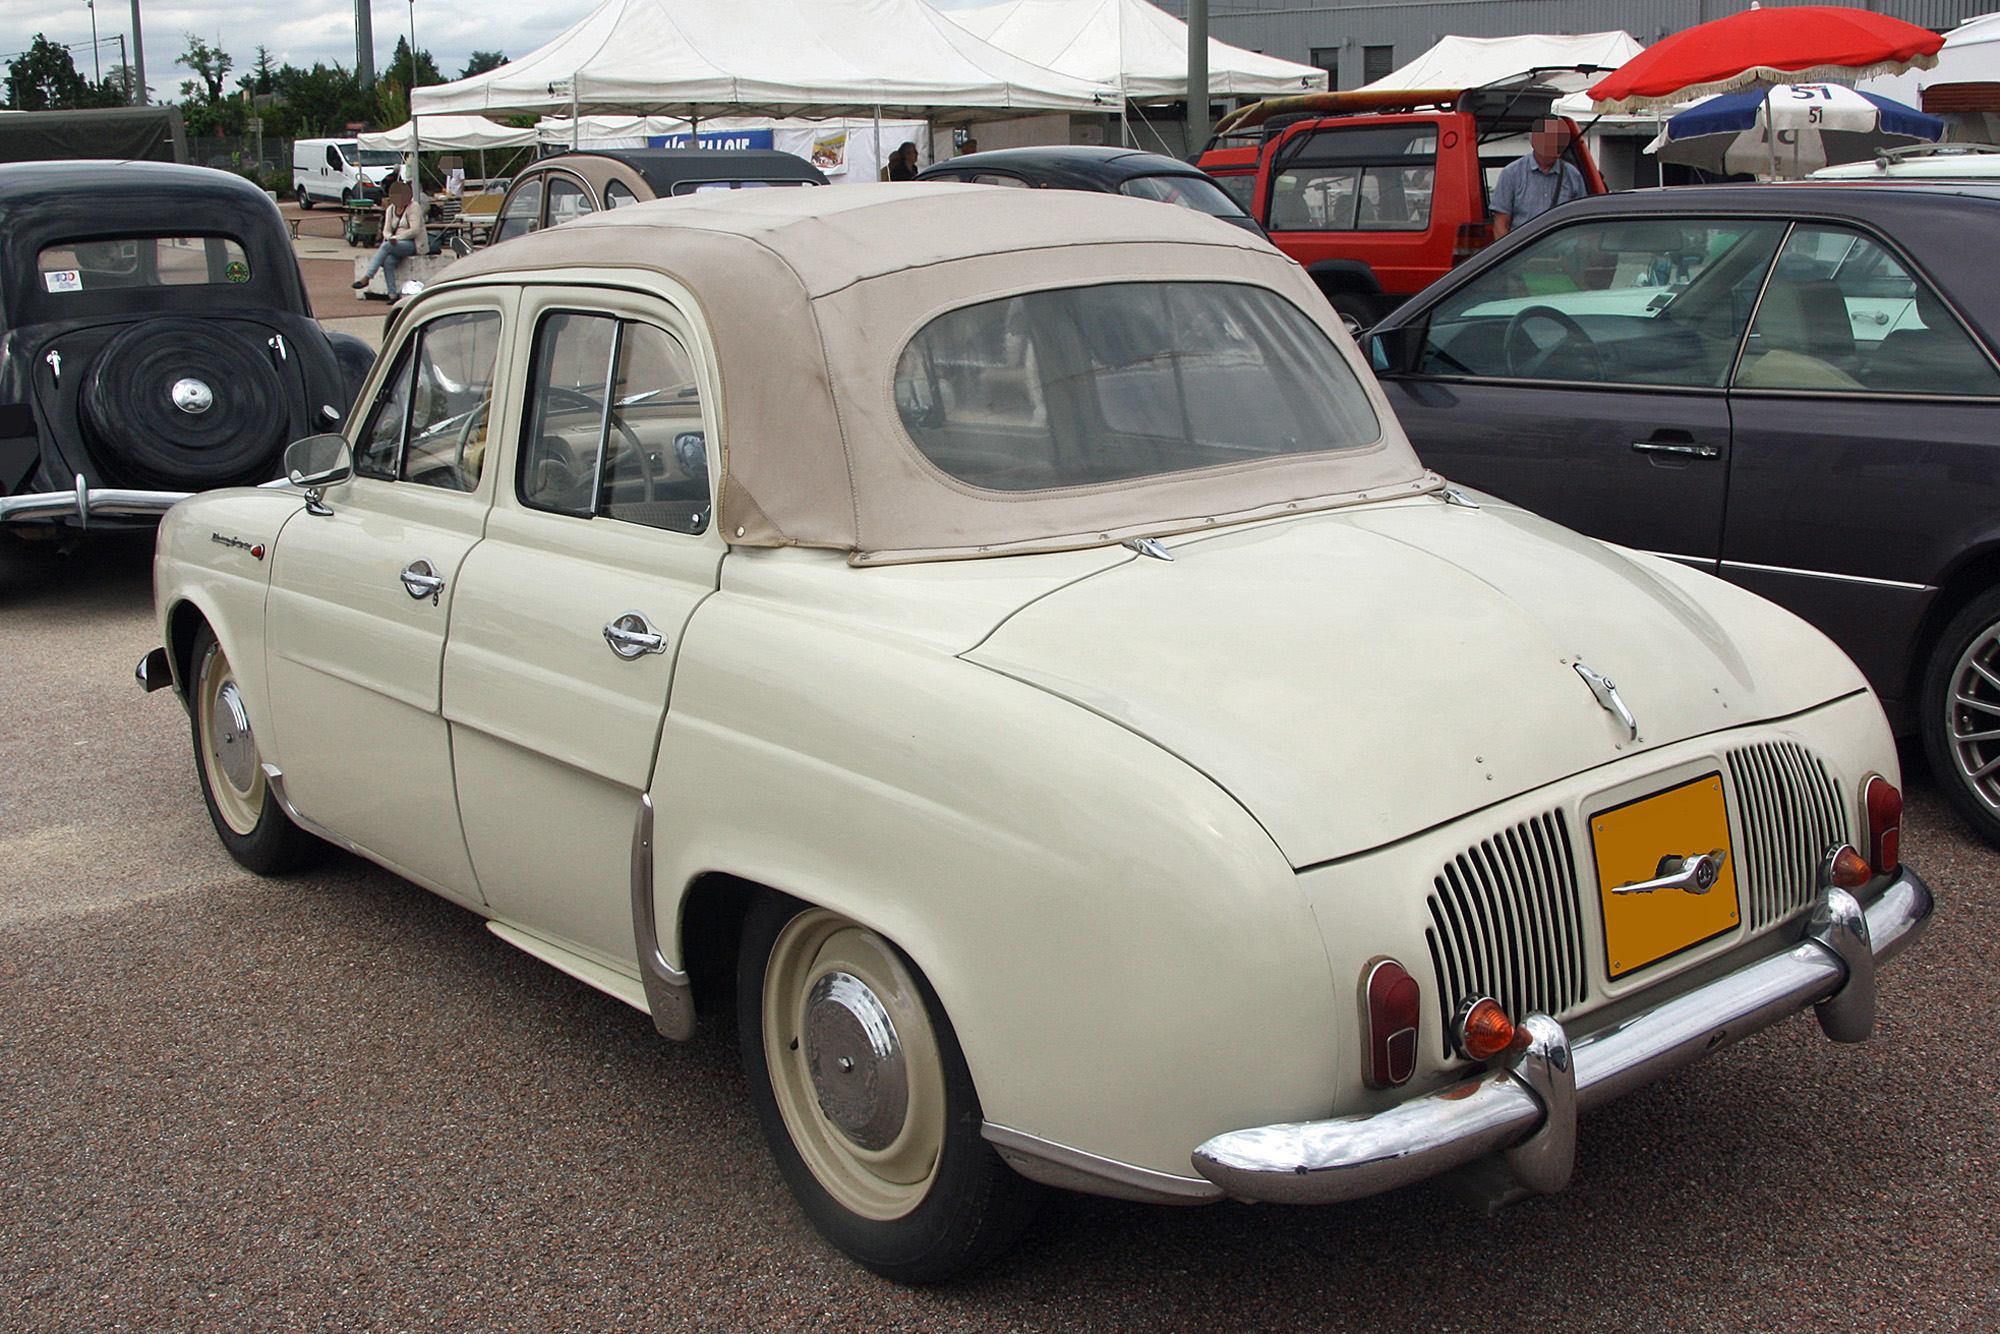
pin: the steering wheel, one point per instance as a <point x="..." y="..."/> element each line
<point x="1525" y="357"/>
<point x="575" y="400"/>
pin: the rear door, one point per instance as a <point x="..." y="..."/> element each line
<point x="1362" y="193"/>
<point x="1584" y="376"/>
<point x="569" y="615"/>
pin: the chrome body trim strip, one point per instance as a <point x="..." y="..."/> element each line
<point x="669" y="997"/>
<point x="1831" y="578"/>
<point x="86" y="500"/>
<point x="1523" y="1106"/>
<point x="1059" y="1165"/>
<point x="275" y="779"/>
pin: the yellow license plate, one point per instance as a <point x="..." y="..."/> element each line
<point x="1634" y="844"/>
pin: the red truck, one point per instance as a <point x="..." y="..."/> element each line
<point x="1378" y="194"/>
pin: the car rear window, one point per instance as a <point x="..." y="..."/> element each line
<point x="1110" y="383"/>
<point x="101" y="264"/>
<point x="1195" y="192"/>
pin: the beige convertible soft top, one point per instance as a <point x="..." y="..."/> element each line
<point x="812" y="294"/>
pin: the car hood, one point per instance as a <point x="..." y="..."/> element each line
<point x="1356" y="677"/>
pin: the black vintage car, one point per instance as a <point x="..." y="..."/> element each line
<point x="156" y="341"/>
<point x="1791" y="386"/>
<point x="1117" y="171"/>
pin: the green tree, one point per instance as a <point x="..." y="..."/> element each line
<point x="211" y="65"/>
<point x="399" y="68"/>
<point x="44" y="78"/>
<point x="323" y="100"/>
<point x="263" y="76"/>
<point x="481" y="62"/>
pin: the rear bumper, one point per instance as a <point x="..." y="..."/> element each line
<point x="85" y="502"/>
<point x="1527" y="1109"/>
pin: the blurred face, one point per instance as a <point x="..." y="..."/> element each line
<point x="1549" y="139"/>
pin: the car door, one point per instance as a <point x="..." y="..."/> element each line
<point x="362" y="593"/>
<point x="1584" y="376"/>
<point x="569" y="614"/>
<point x="1865" y="415"/>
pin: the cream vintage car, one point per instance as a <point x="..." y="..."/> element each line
<point x="1002" y="646"/>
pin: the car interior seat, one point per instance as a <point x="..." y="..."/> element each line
<point x="1803" y="338"/>
<point x="1937" y="358"/>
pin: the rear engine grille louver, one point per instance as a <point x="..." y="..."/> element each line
<point x="1791" y="814"/>
<point x="1506" y="922"/>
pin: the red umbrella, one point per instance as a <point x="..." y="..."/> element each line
<point x="1800" y="44"/>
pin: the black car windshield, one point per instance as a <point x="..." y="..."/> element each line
<point x="1126" y="380"/>
<point x="103" y="263"/>
<point x="1195" y="192"/>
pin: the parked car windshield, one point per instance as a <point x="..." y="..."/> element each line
<point x="1121" y="381"/>
<point x="380" y="157"/>
<point x="100" y="264"/>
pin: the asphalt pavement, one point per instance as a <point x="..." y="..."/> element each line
<point x="335" y="1102"/>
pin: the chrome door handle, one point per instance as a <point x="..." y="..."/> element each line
<point x="1676" y="447"/>
<point x="632" y="636"/>
<point x="421" y="581"/>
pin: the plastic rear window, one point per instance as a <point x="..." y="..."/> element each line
<point x="1121" y="381"/>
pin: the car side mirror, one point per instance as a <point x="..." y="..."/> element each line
<point x="1394" y="351"/>
<point x="318" y="460"/>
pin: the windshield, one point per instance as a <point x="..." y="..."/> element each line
<point x="1121" y="381"/>
<point x="377" y="157"/>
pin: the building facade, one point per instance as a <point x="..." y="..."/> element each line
<point x="1357" y="41"/>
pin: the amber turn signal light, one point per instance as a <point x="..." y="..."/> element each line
<point x="1483" y="1030"/>
<point x="1847" y="868"/>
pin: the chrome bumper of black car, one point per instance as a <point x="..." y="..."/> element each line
<point x="1526" y="1109"/>
<point x="86" y="502"/>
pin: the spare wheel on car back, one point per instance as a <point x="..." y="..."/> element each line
<point x="185" y="404"/>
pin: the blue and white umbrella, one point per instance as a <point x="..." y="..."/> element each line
<point x="1816" y="125"/>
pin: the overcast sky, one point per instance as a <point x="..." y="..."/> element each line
<point x="298" y="32"/>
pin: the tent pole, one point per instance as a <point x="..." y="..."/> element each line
<point x="575" y="115"/>
<point x="1770" y="133"/>
<point x="1124" y="118"/>
<point x="877" y="150"/>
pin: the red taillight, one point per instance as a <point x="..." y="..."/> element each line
<point x="1394" y="1003"/>
<point x="1885" y="823"/>
<point x="1472" y="238"/>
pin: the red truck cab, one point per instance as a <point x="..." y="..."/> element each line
<point x="1379" y="194"/>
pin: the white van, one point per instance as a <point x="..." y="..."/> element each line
<point x="338" y="171"/>
<point x="1921" y="162"/>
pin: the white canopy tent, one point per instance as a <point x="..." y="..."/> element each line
<point x="1130" y="45"/>
<point x="452" y="134"/>
<point x="813" y="58"/>
<point x="1473" y="62"/>
<point x="846" y="149"/>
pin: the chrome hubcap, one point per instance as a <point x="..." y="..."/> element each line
<point x="192" y="396"/>
<point x="856" y="1061"/>
<point x="1973" y="717"/>
<point x="229" y="738"/>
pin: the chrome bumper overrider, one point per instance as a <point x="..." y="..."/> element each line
<point x="85" y="501"/>
<point x="1527" y="1109"/>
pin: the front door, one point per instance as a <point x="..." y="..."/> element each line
<point x="1584" y="377"/>
<point x="360" y="599"/>
<point x="569" y="615"/>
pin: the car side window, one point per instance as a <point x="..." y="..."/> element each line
<point x="1841" y="312"/>
<point x="568" y="200"/>
<point x="429" y="421"/>
<point x="617" y="195"/>
<point x="614" y="427"/>
<point x="333" y="158"/>
<point x="1365" y="179"/>
<point x="1649" y="301"/>
<point x="522" y="213"/>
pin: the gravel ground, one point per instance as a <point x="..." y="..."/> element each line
<point x="334" y="1102"/>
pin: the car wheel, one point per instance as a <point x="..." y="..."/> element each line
<point x="253" y="827"/>
<point x="305" y="197"/>
<point x="1356" y="314"/>
<point x="184" y="404"/>
<point x="1961" y="713"/>
<point x="865" y="1098"/>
